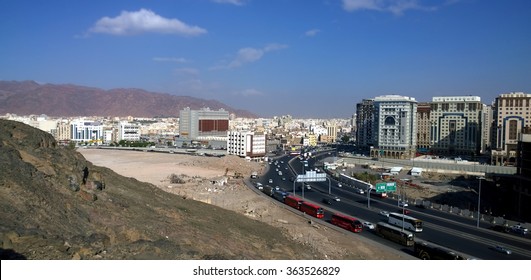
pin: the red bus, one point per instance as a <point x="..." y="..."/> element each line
<point x="312" y="210"/>
<point x="293" y="202"/>
<point x="347" y="223"/>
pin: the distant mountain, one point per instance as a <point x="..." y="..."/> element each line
<point x="31" y="98"/>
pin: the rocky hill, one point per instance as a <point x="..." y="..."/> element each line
<point x="49" y="212"/>
<point x="31" y="98"/>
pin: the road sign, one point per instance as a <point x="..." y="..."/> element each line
<point x="380" y="187"/>
<point x="390" y="187"/>
<point x="311" y="176"/>
<point x="386" y="187"/>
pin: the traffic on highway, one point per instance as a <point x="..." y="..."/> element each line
<point x="423" y="233"/>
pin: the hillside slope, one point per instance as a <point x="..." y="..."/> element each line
<point x="48" y="213"/>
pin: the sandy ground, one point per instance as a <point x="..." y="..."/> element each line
<point x="197" y="174"/>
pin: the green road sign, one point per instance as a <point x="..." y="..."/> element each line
<point x="390" y="187"/>
<point x="380" y="187"/>
<point x="385" y="187"/>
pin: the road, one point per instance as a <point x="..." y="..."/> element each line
<point x="451" y="231"/>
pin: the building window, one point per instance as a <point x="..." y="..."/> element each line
<point x="513" y="129"/>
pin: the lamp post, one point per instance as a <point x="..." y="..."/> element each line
<point x="303" y="164"/>
<point x="403" y="213"/>
<point x="479" y="200"/>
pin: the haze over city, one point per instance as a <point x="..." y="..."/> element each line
<point x="303" y="58"/>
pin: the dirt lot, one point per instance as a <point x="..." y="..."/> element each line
<point x="195" y="176"/>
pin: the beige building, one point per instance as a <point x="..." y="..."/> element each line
<point x="456" y="125"/>
<point x="512" y="117"/>
<point x="63" y="131"/>
<point x="331" y="129"/>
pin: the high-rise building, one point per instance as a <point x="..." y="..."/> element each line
<point x="246" y="144"/>
<point x="456" y="125"/>
<point x="395" y="127"/>
<point x="512" y="117"/>
<point x="364" y="124"/>
<point x="486" y="129"/>
<point x="423" y="127"/>
<point x="203" y="123"/>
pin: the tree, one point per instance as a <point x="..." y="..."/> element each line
<point x="345" y="138"/>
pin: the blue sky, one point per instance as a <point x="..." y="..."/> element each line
<point x="306" y="58"/>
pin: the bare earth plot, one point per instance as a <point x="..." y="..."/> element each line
<point x="196" y="174"/>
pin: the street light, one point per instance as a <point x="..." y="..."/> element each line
<point x="479" y="199"/>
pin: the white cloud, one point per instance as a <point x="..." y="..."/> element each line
<point x="248" y="55"/>
<point x="233" y="2"/>
<point x="311" y="33"/>
<point x="170" y="59"/>
<point x="397" y="7"/>
<point x="143" y="21"/>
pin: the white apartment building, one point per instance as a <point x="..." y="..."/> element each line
<point x="395" y="126"/>
<point x="512" y="117"/>
<point x="456" y="125"/>
<point x="246" y="144"/>
<point x="128" y="131"/>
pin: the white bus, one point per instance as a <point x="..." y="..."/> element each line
<point x="410" y="223"/>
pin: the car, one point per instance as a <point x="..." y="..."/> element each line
<point x="337" y="198"/>
<point x="384" y="213"/>
<point x="500" y="228"/>
<point x="339" y="185"/>
<point x="421" y="206"/>
<point x="406" y="211"/>
<point x="368" y="225"/>
<point x="519" y="229"/>
<point x="360" y="191"/>
<point x="270" y="181"/>
<point x="501" y="249"/>
<point x="259" y="186"/>
<point x="402" y="203"/>
<point x="283" y="178"/>
<point x="308" y="187"/>
<point x="326" y="201"/>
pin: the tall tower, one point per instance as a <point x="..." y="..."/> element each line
<point x="456" y="125"/>
<point x="512" y="117"/>
<point x="395" y="127"/>
<point x="364" y="124"/>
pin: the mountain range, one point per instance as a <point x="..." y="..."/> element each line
<point x="67" y="100"/>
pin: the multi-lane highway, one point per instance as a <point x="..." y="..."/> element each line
<point x="451" y="231"/>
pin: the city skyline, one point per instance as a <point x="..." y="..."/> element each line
<point x="301" y="58"/>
